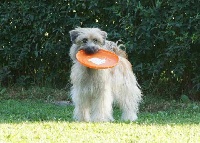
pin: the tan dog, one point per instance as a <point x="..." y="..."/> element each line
<point x="94" y="91"/>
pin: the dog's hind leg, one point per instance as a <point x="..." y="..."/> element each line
<point x="129" y="103"/>
<point x="130" y="98"/>
<point x="126" y="90"/>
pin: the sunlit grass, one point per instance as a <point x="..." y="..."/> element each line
<point x="38" y="121"/>
<point x="52" y="131"/>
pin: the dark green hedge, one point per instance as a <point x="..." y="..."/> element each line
<point x="161" y="37"/>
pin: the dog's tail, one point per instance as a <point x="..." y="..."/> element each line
<point x="117" y="49"/>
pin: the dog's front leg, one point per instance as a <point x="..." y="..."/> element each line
<point x="102" y="106"/>
<point x="82" y="113"/>
<point x="82" y="106"/>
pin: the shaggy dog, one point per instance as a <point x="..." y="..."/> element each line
<point x="94" y="91"/>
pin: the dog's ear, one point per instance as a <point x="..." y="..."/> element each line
<point x="104" y="34"/>
<point x="73" y="35"/>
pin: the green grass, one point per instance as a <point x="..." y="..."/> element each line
<point x="39" y="121"/>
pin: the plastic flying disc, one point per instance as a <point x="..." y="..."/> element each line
<point x="100" y="60"/>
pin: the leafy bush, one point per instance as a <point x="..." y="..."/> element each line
<point x="161" y="38"/>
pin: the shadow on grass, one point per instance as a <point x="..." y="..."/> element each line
<point x="17" y="111"/>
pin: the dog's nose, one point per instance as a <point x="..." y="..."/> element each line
<point x="91" y="50"/>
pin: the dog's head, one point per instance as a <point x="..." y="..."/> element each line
<point x="88" y="39"/>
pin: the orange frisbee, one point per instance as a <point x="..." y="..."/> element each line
<point x="100" y="60"/>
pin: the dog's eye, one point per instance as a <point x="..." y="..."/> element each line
<point x="95" y="40"/>
<point x="84" y="40"/>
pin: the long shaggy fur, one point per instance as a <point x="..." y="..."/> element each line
<point x="94" y="91"/>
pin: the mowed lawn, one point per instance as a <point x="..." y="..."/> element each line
<point x="29" y="121"/>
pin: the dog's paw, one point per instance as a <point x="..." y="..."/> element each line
<point x="129" y="117"/>
<point x="101" y="119"/>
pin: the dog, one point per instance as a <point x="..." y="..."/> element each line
<point x="94" y="91"/>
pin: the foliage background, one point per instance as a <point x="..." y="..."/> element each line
<point x="162" y="38"/>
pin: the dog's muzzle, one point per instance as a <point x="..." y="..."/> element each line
<point x="91" y="50"/>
